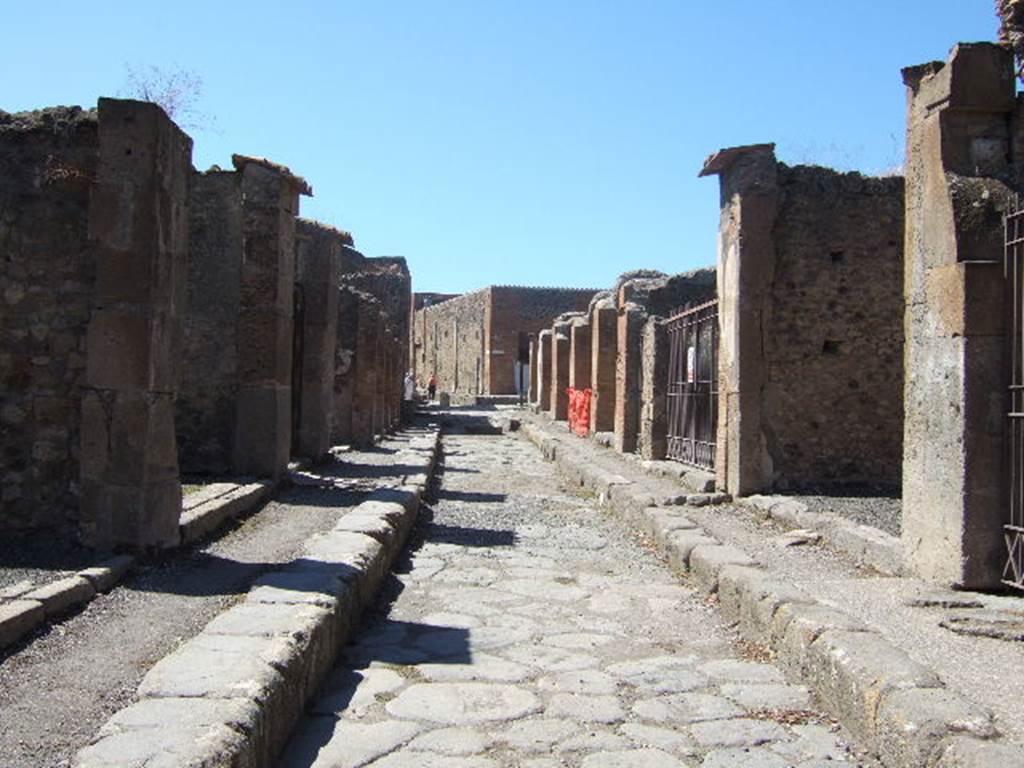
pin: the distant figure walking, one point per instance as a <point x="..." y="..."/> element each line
<point x="410" y="387"/>
<point x="432" y="386"/>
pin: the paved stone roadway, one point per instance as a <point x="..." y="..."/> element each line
<point x="531" y="630"/>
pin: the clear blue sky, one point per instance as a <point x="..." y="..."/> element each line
<point x="542" y="142"/>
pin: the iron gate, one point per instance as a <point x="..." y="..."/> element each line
<point x="693" y="385"/>
<point x="1013" y="531"/>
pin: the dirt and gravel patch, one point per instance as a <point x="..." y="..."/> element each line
<point x="878" y="509"/>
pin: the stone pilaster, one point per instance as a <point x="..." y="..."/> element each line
<point x="560" y="371"/>
<point x="959" y="151"/>
<point x="131" y="494"/>
<point x="603" y="349"/>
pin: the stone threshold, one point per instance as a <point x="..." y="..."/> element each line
<point x="898" y="708"/>
<point x="26" y="607"/>
<point x="231" y="695"/>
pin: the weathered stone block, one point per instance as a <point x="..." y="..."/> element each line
<point x="706" y="560"/>
<point x="108" y="574"/>
<point x="913" y="723"/>
<point x="161" y="733"/>
<point x="853" y="671"/>
<point x="262" y="430"/>
<point x="18" y="618"/>
<point x="60" y="596"/>
<point x="682" y="543"/>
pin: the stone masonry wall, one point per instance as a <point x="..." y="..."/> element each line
<point x="317" y="273"/>
<point x="810" y="355"/>
<point x="131" y="492"/>
<point x="639" y="296"/>
<point x="451" y="341"/>
<point x="47" y="278"/>
<point x="833" y="335"/>
<point x="349" y="301"/>
<point x="495" y="326"/>
<point x="386" y="279"/>
<point x="208" y="380"/>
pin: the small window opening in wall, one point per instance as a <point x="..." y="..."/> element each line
<point x="838" y="257"/>
<point x="830" y="347"/>
<point x="128" y="151"/>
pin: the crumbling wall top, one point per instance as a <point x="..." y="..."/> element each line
<point x="722" y="160"/>
<point x="301" y="185"/>
<point x="50" y="119"/>
<point x="977" y="76"/>
<point x="343" y="236"/>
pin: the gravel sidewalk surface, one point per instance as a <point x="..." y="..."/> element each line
<point x="878" y="511"/>
<point x="58" y="687"/>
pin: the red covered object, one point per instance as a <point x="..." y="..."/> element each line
<point x="579" y="410"/>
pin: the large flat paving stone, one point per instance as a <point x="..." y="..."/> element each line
<point x="463" y="703"/>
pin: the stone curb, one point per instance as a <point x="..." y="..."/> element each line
<point x="232" y="694"/>
<point x="201" y="519"/>
<point x="694" y="481"/>
<point x="24" y="612"/>
<point x="890" y="703"/>
<point x="870" y="546"/>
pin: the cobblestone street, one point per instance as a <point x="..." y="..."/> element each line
<point x="527" y="628"/>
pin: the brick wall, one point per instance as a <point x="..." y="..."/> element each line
<point x="517" y="314"/>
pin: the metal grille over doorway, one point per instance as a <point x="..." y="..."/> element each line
<point x="1013" y="531"/>
<point x="693" y="385"/>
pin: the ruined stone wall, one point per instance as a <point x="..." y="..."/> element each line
<point x="451" y="342"/>
<point x="810" y="357"/>
<point x="47" y="280"/>
<point x="234" y="410"/>
<point x="345" y="364"/>
<point x="318" y="250"/>
<point x="208" y="376"/>
<point x="387" y="280"/>
<point x="654" y="366"/>
<point x="639" y="296"/>
<point x="515" y="315"/>
<point x="833" y="334"/>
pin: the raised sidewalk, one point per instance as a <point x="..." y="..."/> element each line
<point x="231" y="695"/>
